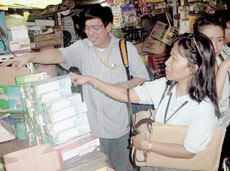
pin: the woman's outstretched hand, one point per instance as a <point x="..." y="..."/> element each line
<point x="77" y="79"/>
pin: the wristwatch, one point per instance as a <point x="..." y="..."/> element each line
<point x="149" y="149"/>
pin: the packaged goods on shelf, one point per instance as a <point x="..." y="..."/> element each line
<point x="157" y="64"/>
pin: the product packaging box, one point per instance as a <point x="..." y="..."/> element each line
<point x="65" y="113"/>
<point x="51" y="84"/>
<point x="30" y="78"/>
<point x="59" y="103"/>
<point x="20" y="46"/>
<point x="78" y="149"/>
<point x="66" y="91"/>
<point x="69" y="134"/>
<point x="38" y="158"/>
<point x="10" y="99"/>
<point x="4" y="103"/>
<point x="74" y="121"/>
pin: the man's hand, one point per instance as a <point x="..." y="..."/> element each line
<point x="16" y="62"/>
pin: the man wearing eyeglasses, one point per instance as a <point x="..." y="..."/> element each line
<point x="99" y="56"/>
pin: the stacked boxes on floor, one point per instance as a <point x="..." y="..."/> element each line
<point x="53" y="114"/>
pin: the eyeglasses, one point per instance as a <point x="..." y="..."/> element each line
<point x="93" y="29"/>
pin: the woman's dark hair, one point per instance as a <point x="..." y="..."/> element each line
<point x="198" y="50"/>
<point x="97" y="11"/>
<point x="208" y="19"/>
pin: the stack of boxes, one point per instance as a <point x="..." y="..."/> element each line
<point x="53" y="114"/>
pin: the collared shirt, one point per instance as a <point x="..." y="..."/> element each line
<point x="224" y="101"/>
<point x="108" y="118"/>
<point x="199" y="117"/>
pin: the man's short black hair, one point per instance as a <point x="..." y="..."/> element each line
<point x="223" y="14"/>
<point x="97" y="11"/>
<point x="208" y="19"/>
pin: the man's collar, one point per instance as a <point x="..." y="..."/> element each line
<point x="111" y="41"/>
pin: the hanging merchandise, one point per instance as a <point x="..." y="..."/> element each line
<point x="129" y="15"/>
<point x="184" y="21"/>
<point x="117" y="2"/>
<point x="117" y="17"/>
<point x="29" y="3"/>
<point x="110" y="2"/>
<point x="141" y="7"/>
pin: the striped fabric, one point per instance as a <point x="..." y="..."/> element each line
<point x="108" y="118"/>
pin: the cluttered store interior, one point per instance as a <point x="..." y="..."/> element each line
<point x="67" y="65"/>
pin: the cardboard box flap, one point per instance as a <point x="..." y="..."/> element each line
<point x="28" y="153"/>
<point x="51" y="161"/>
<point x="42" y="157"/>
<point x="8" y="74"/>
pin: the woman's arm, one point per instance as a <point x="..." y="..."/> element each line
<point x="114" y="91"/>
<point x="171" y="150"/>
<point x="221" y="76"/>
<point x="132" y="83"/>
